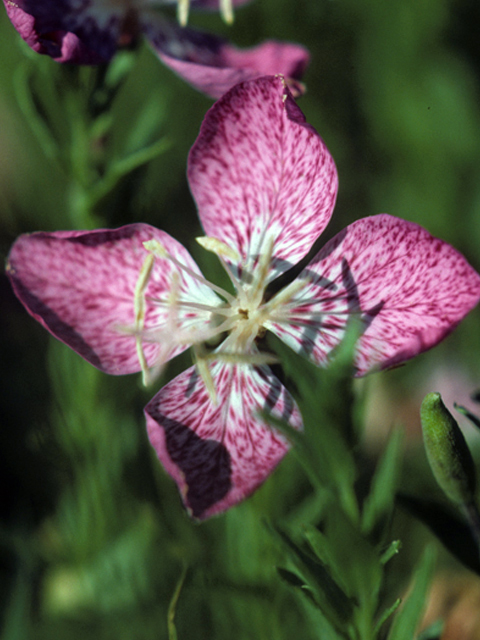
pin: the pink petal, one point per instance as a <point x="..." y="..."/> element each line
<point x="218" y="455"/>
<point x="258" y="169"/>
<point x="409" y="289"/>
<point x="213" y="66"/>
<point x="80" y="286"/>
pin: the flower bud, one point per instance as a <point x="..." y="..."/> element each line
<point x="447" y="450"/>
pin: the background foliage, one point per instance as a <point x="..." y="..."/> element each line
<point x="93" y="539"/>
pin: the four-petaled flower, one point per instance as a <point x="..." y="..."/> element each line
<point x="90" y="32"/>
<point x="265" y="186"/>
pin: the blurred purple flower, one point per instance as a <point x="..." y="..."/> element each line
<point x="91" y="31"/>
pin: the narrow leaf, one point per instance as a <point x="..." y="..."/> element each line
<point x="386" y="614"/>
<point x="392" y="550"/>
<point x="291" y="578"/>
<point x="352" y="560"/>
<point x="172" y="631"/>
<point x="122" y="167"/>
<point x="465" y="412"/>
<point x="408" y="617"/>
<point x="326" y="593"/>
<point x="35" y="115"/>
<point x="453" y="533"/>
<point x="379" y="504"/>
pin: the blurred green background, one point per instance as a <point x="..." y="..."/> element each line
<point x="93" y="539"/>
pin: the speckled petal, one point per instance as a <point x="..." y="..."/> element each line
<point x="219" y="454"/>
<point x="213" y="66"/>
<point x="78" y="31"/>
<point x="80" y="286"/>
<point x="409" y="289"/>
<point x="259" y="171"/>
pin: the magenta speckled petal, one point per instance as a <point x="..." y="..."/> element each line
<point x="80" y="286"/>
<point x="216" y="68"/>
<point x="219" y="454"/>
<point x="259" y="171"/>
<point x="409" y="289"/>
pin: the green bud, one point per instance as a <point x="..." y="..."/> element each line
<point x="447" y="450"/>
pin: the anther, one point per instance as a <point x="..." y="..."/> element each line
<point x="262" y="271"/>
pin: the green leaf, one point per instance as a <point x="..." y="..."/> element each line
<point x="392" y="550"/>
<point x="149" y="120"/>
<point x="408" y="617"/>
<point x="16" y="616"/>
<point x="119" y="68"/>
<point x="291" y="578"/>
<point x="36" y="114"/>
<point x="386" y="614"/>
<point x="352" y="560"/>
<point x="120" y="168"/>
<point x="310" y="510"/>
<point x="325" y="399"/>
<point x="326" y="594"/>
<point x="465" y="412"/>
<point x="378" y="505"/>
<point x="172" y="631"/>
<point x="453" y="533"/>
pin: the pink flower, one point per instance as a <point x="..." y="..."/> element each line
<point x="90" y="32"/>
<point x="265" y="186"/>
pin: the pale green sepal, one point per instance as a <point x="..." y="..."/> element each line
<point x="447" y="451"/>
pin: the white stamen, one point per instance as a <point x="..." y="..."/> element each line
<point x="226" y="10"/>
<point x="256" y="359"/>
<point x="202" y="367"/>
<point x="284" y="296"/>
<point x="159" y="250"/>
<point x="262" y="272"/>
<point x="183" y="8"/>
<point x="139" y="308"/>
<point x="198" y="306"/>
<point x="186" y="336"/>
<point x="221" y="249"/>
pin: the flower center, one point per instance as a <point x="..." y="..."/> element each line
<point x="229" y="324"/>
